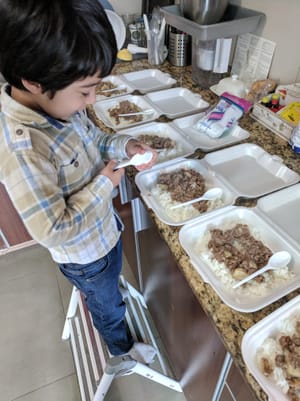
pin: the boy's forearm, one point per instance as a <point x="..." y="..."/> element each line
<point x="114" y="146"/>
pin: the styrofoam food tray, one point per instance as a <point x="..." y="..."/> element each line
<point x="244" y="170"/>
<point x="254" y="337"/>
<point x="101" y="109"/>
<point x="149" y="80"/>
<point x="203" y="141"/>
<point x="250" y="171"/>
<point x="177" y="102"/>
<point x="240" y="299"/>
<point x="117" y="81"/>
<point x="283" y="208"/>
<point x="216" y="90"/>
<point x="146" y="180"/>
<point x="164" y="130"/>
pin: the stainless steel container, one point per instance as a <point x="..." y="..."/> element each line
<point x="205" y="12"/>
<point x="148" y="5"/>
<point x="137" y="34"/>
<point x="179" y="47"/>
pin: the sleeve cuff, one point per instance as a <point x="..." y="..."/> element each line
<point x="102" y="187"/>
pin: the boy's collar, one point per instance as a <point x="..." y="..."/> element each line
<point x="22" y="113"/>
<point x="56" y="123"/>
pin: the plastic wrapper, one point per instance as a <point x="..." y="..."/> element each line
<point x="223" y="116"/>
<point x="260" y="88"/>
<point x="295" y="139"/>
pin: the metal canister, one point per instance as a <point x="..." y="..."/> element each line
<point x="137" y="34"/>
<point x="179" y="47"/>
<point x="204" y="12"/>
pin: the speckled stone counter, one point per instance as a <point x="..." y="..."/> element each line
<point x="230" y="324"/>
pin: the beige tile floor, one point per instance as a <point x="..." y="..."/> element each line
<point x="35" y="364"/>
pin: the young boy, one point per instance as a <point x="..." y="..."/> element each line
<point x="53" y="55"/>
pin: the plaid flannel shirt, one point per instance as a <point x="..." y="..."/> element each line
<point x="51" y="172"/>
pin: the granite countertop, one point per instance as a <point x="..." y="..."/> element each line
<point x="230" y="324"/>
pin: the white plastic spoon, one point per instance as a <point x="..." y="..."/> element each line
<point x="210" y="194"/>
<point x="137" y="113"/>
<point x="136" y="160"/>
<point x="118" y="88"/>
<point x="276" y="261"/>
<point x="136" y="49"/>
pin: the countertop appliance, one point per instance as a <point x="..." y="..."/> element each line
<point x="211" y="44"/>
<point x="148" y="5"/>
<point x="204" y="12"/>
<point x="179" y="47"/>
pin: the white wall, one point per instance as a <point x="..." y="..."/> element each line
<point x="126" y="6"/>
<point x="282" y="27"/>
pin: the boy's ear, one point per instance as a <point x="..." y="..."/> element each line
<point x="32" y="87"/>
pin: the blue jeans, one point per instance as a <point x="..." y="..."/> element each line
<point x="98" y="281"/>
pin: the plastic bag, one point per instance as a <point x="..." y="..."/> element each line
<point x="224" y="115"/>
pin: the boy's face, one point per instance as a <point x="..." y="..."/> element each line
<point x="71" y="99"/>
<point x="65" y="102"/>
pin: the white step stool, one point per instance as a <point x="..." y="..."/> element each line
<point x="95" y="367"/>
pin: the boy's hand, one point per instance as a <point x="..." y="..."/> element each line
<point x="114" y="175"/>
<point x="133" y="147"/>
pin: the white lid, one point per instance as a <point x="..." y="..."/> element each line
<point x="232" y="85"/>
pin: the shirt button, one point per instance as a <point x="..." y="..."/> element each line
<point x="76" y="164"/>
<point x="19" y="131"/>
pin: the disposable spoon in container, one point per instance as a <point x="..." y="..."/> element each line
<point x="136" y="113"/>
<point x="117" y="88"/>
<point x="210" y="194"/>
<point x="276" y="261"/>
<point x="136" y="160"/>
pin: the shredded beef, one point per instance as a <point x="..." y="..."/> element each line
<point x="239" y="250"/>
<point x="156" y="141"/>
<point x="288" y="359"/>
<point x="125" y="107"/>
<point x="107" y="85"/>
<point x="184" y="185"/>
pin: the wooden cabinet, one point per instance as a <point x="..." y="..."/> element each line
<point x="12" y="228"/>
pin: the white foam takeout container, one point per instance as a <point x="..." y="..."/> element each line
<point x="250" y="171"/>
<point x="268" y="232"/>
<point x="244" y="170"/>
<point x="164" y="130"/>
<point x="101" y="109"/>
<point x="149" y="80"/>
<point x="283" y="208"/>
<point x="146" y="180"/>
<point x="173" y="103"/>
<point x="117" y="81"/>
<point x="187" y="125"/>
<point x="269" y="326"/>
<point x="177" y="102"/>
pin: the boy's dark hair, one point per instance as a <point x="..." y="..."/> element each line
<point x="54" y="42"/>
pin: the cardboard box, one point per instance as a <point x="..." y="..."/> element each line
<point x="272" y="121"/>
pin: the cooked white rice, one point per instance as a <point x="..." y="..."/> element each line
<point x="272" y="279"/>
<point x="182" y="213"/>
<point x="271" y="347"/>
<point x="165" y="154"/>
<point x="168" y="154"/>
